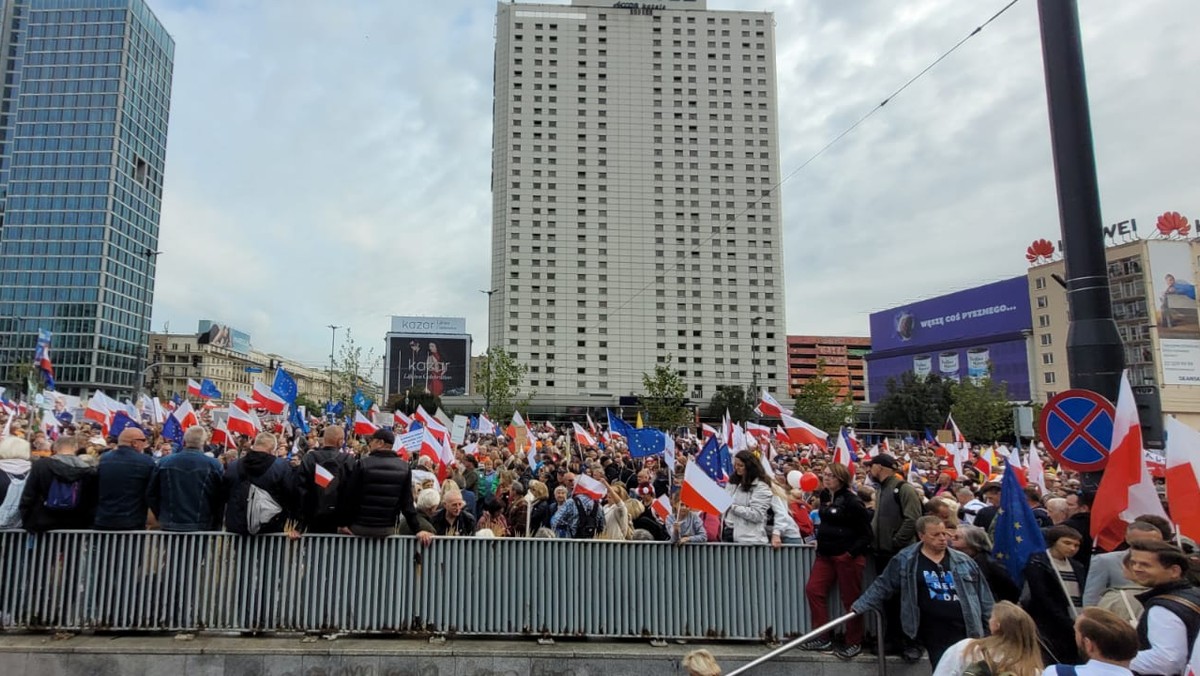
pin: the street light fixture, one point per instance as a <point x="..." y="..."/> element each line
<point x="754" y="321"/>
<point x="487" y="381"/>
<point x="332" y="342"/>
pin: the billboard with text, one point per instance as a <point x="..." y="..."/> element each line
<point x="440" y="364"/>
<point x="1000" y="308"/>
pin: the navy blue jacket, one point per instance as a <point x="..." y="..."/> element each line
<point x="123" y="477"/>
<point x="185" y="492"/>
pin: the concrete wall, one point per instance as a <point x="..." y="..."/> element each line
<point x="40" y="655"/>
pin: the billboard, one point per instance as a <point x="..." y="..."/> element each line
<point x="1177" y="316"/>
<point x="1005" y="360"/>
<point x="440" y="364"/>
<point x="450" y="326"/>
<point x="223" y="335"/>
<point x="988" y="311"/>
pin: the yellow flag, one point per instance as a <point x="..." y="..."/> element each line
<point x="639" y="420"/>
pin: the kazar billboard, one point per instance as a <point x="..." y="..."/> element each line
<point x="440" y="364"/>
<point x="988" y="311"/>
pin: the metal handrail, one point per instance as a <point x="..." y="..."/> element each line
<point x="823" y="629"/>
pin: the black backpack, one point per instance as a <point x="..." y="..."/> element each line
<point x="586" y="528"/>
<point x="327" y="498"/>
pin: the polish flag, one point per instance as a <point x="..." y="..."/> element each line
<point x="97" y="409"/>
<point x="758" y="431"/>
<point x="583" y="438"/>
<point x="800" y="432"/>
<point x="322" y="477"/>
<point x="531" y="450"/>
<point x="662" y="507"/>
<point x="1036" y="473"/>
<point x="486" y="426"/>
<point x="781" y="435"/>
<point x="193" y="388"/>
<point x="1126" y="489"/>
<point x="243" y="423"/>
<point x="586" y="485"/>
<point x="701" y="493"/>
<point x="221" y="437"/>
<point x="245" y="402"/>
<point x="885" y="447"/>
<point x="401" y="420"/>
<point x="591" y="425"/>
<point x="1183" y="476"/>
<point x="362" y="426"/>
<point x="425" y="418"/>
<point x="265" y="398"/>
<point x="841" y="452"/>
<point x="767" y="406"/>
<point x="186" y="415"/>
<point x="707" y="431"/>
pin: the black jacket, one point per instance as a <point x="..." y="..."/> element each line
<point x="341" y="465"/>
<point x="381" y="487"/>
<point x="68" y="470"/>
<point x="1161" y="596"/>
<point x="122" y="477"/>
<point x="273" y="475"/>
<point x="1001" y="583"/>
<point x="648" y="523"/>
<point x="1082" y="522"/>
<point x="845" y="525"/>
<point x="540" y="515"/>
<point x="464" y="525"/>
<point x="1048" y="605"/>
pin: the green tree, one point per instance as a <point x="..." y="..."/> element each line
<point x="309" y="405"/>
<point x="352" y="370"/>
<point x="981" y="411"/>
<point x="738" y="400"/>
<point x="665" y="398"/>
<point x="912" y="403"/>
<point x="408" y="400"/>
<point x="818" y="402"/>
<point x="501" y="377"/>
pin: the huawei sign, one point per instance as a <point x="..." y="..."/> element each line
<point x="1172" y="225"/>
<point x="1041" y="251"/>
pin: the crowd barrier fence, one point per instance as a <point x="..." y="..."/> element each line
<point x="220" y="582"/>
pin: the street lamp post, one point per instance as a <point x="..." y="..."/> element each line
<point x="754" y="321"/>
<point x="487" y="380"/>
<point x="332" y="342"/>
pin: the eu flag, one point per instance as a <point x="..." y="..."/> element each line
<point x="208" y="389"/>
<point x="284" y="385"/>
<point x="709" y="460"/>
<point x="122" y="421"/>
<point x="360" y="401"/>
<point x="646" y="442"/>
<point x="172" y="430"/>
<point x="1016" y="528"/>
<point x="618" y="426"/>
<point x="297" y="419"/>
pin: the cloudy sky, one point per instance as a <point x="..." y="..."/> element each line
<point x="329" y="162"/>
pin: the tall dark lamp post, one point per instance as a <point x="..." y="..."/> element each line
<point x="332" y="343"/>
<point x="487" y="381"/>
<point x="1095" y="358"/>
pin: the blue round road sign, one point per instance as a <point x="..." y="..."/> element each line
<point x="1077" y="428"/>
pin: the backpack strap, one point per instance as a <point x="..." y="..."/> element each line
<point x="1183" y="602"/>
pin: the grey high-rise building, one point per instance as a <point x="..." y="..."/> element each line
<point x="83" y="136"/>
<point x="635" y="216"/>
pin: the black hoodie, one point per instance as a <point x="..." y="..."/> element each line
<point x="71" y="472"/>
<point x="269" y="473"/>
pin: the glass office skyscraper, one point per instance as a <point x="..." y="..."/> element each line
<point x="83" y="135"/>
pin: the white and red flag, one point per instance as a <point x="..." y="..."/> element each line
<point x="362" y="426"/>
<point x="583" y="437"/>
<point x="243" y="423"/>
<point x="265" y="398"/>
<point x="662" y="508"/>
<point x="322" y="477"/>
<point x="586" y="485"/>
<point x="800" y="432"/>
<point x="701" y="493"/>
<point x="1126" y="489"/>
<point x="767" y="406"/>
<point x="1183" y="477"/>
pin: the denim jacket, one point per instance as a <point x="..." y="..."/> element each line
<point x="902" y="575"/>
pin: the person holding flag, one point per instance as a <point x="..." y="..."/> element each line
<point x="320" y="501"/>
<point x="750" y="488"/>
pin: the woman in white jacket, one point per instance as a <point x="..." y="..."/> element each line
<point x="750" y="489"/>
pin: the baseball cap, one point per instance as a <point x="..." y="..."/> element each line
<point x="384" y="436"/>
<point x="883" y="459"/>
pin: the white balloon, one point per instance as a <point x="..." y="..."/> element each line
<point x="793" y="478"/>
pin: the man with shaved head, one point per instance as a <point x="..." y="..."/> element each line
<point x="123" y="477"/>
<point x="322" y="506"/>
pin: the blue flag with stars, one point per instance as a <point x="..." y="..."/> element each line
<point x="284" y="385"/>
<point x="208" y="389"/>
<point x="709" y="460"/>
<point x="646" y="442"/>
<point x="1016" y="528"/>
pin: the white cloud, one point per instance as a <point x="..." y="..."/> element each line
<point x="330" y="162"/>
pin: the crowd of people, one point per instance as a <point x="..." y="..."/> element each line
<point x="903" y="533"/>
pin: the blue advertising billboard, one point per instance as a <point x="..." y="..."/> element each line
<point x="1000" y="308"/>
<point x="964" y="335"/>
<point x="223" y="335"/>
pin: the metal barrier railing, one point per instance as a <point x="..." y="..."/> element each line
<point x="155" y="581"/>
<point x="880" y="658"/>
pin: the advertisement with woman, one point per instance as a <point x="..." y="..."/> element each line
<point x="438" y="364"/>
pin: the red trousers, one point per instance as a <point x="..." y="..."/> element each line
<point x="847" y="572"/>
